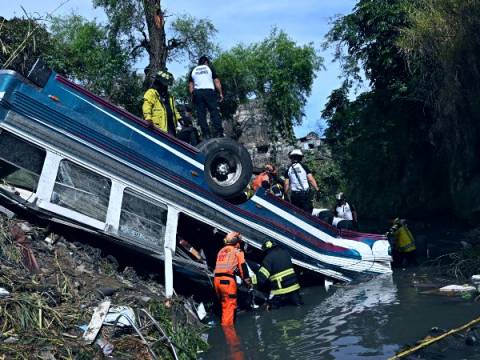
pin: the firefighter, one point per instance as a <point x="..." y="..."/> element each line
<point x="404" y="248"/>
<point x="277" y="270"/>
<point x="230" y="263"/>
<point x="159" y="106"/>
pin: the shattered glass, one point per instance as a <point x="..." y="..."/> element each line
<point x="81" y="190"/>
<point x="142" y="220"/>
<point x="21" y="167"/>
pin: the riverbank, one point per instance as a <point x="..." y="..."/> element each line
<point x="50" y="288"/>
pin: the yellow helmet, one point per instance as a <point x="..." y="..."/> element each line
<point x="232" y="238"/>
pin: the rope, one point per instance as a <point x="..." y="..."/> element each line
<point x="430" y="341"/>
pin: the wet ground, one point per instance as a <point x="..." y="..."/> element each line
<point x="370" y="320"/>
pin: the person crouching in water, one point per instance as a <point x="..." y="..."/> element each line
<point x="277" y="270"/>
<point x="403" y="244"/>
<point x="230" y="262"/>
<point x="159" y="106"/>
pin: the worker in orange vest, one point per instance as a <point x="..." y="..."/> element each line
<point x="265" y="178"/>
<point x="230" y="262"/>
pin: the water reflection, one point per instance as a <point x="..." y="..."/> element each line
<point x="369" y="320"/>
<point x="325" y="325"/>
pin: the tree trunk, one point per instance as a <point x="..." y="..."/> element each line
<point x="156" y="34"/>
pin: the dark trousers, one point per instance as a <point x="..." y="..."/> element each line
<point x="204" y="99"/>
<point x="302" y="200"/>
<point x="292" y="298"/>
<point x="401" y="259"/>
<point x="188" y="134"/>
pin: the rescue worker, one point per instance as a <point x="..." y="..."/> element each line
<point x="403" y="244"/>
<point x="299" y="180"/>
<point x="265" y="178"/>
<point x="277" y="271"/>
<point x="188" y="133"/>
<point x="159" y="106"/>
<point x="345" y="215"/>
<point x="202" y="84"/>
<point x="230" y="263"/>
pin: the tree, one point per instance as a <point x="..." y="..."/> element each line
<point x="141" y="25"/>
<point x="276" y="71"/>
<point x="22" y="41"/>
<point x="380" y="139"/>
<point x="83" y="51"/>
<point x="443" y="54"/>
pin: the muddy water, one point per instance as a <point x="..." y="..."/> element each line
<point x="370" y="320"/>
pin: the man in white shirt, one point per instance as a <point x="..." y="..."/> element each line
<point x="345" y="215"/>
<point x="202" y="84"/>
<point x="299" y="179"/>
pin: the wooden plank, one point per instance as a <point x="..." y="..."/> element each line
<point x="96" y="321"/>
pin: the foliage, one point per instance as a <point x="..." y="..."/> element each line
<point x="25" y="38"/>
<point x="134" y="22"/>
<point x="381" y="139"/>
<point x="83" y="51"/>
<point x="277" y="71"/>
<point x="195" y="38"/>
<point x="328" y="175"/>
<point x="443" y="54"/>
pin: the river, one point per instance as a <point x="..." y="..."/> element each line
<point x="372" y="319"/>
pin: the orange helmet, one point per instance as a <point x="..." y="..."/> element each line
<point x="232" y="238"/>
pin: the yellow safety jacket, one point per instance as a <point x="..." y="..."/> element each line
<point x="155" y="112"/>
<point x="404" y="241"/>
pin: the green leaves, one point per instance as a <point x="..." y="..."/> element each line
<point x="276" y="71"/>
<point x="83" y="51"/>
<point x="194" y="37"/>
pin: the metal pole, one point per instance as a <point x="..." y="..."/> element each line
<point x="169" y="248"/>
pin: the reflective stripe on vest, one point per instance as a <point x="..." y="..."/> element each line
<point x="285" y="290"/>
<point x="265" y="272"/>
<point x="278" y="277"/>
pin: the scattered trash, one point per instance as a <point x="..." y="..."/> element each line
<point x="120" y="316"/>
<point x="4" y="292"/>
<point x="96" y="322"/>
<point x="201" y="313"/>
<point x="458" y="288"/>
<point x="429" y="340"/>
<point x="44" y="310"/>
<point x="18" y="233"/>
<point x="107" y="347"/>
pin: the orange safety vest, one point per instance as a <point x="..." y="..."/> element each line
<point x="229" y="262"/>
<point x="259" y="179"/>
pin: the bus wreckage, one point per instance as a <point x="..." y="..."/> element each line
<point x="71" y="157"/>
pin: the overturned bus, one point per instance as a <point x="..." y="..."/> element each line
<point x="72" y="157"/>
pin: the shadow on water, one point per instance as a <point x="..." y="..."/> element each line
<point x="369" y="320"/>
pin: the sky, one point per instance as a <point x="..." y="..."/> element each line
<point x="241" y="21"/>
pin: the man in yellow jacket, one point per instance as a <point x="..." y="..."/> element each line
<point x="159" y="106"/>
<point x="404" y="248"/>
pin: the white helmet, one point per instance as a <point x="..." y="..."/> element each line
<point x="296" y="152"/>
<point x="339" y="196"/>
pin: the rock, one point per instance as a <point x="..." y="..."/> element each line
<point x="106" y="291"/>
